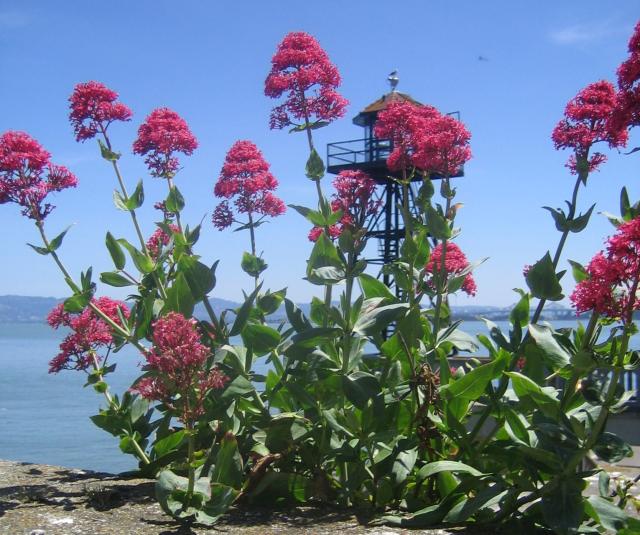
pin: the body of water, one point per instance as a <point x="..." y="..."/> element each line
<point x="44" y="418"/>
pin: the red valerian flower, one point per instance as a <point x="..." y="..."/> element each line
<point x="423" y="138"/>
<point x="163" y="134"/>
<point x="612" y="285"/>
<point x="402" y="122"/>
<point x="27" y="175"/>
<point x="455" y="263"/>
<point x="354" y="196"/>
<point x="588" y="119"/>
<point x="444" y="146"/>
<point x="302" y="69"/>
<point x="334" y="232"/>
<point x="160" y="239"/>
<point x="89" y="333"/>
<point x="178" y="361"/>
<point x="93" y="108"/>
<point x="628" y="112"/>
<point x="245" y="178"/>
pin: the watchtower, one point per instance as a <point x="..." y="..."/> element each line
<point x="370" y="154"/>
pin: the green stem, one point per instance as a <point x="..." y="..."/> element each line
<point x="205" y="301"/>
<point x="504" y="380"/>
<point x="253" y="246"/>
<point x="192" y="472"/>
<point x="76" y="289"/>
<point x="570" y="387"/>
<point x="134" y="217"/>
<point x="582" y="177"/>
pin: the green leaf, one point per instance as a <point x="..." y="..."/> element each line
<point x="323" y="254"/>
<point x="240" y="386"/>
<point x="543" y="281"/>
<point x="107" y="154"/>
<point x="372" y="287"/>
<point x="437" y="224"/>
<point x="563" y="508"/>
<point x="252" y="265"/>
<point x="119" y="201"/>
<point x="313" y="216"/>
<point x="169" y="443"/>
<point x="242" y="315"/>
<point x="271" y="301"/>
<point x="314" y="336"/>
<point x="611" y="448"/>
<point x="228" y="468"/>
<point x="327" y="275"/>
<point x="372" y="321"/>
<point x="114" y="279"/>
<point x="198" y="276"/>
<point x="77" y="302"/>
<point x="484" y="499"/>
<point x="261" y="339"/>
<point x="528" y="390"/>
<point x="57" y="241"/>
<point x="360" y="387"/>
<point x="137" y="198"/>
<point x="520" y="313"/>
<point x="554" y="355"/>
<point x="116" y="252"/>
<point x="222" y="498"/>
<point x="175" y="201"/>
<point x="431" y="469"/>
<point x="559" y="218"/>
<point x="403" y="465"/>
<point x="143" y="262"/>
<point x="474" y="383"/>
<point x="138" y="408"/>
<point x="314" y="168"/>
<point x="578" y="271"/>
<point x="296" y="317"/>
<point x="40" y="250"/>
<point x="606" y="513"/>
<point x="578" y="224"/>
<point x="179" y="297"/>
<point x="460" y="339"/>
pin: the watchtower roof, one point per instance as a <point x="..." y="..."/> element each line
<point x="364" y="117"/>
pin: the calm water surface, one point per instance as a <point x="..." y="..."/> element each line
<point x="44" y="418"/>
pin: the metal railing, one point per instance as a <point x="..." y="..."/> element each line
<point x="358" y="151"/>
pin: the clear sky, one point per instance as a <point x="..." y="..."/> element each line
<point x="508" y="67"/>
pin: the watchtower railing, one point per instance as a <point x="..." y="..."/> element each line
<point x="357" y="151"/>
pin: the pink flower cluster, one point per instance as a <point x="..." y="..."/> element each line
<point x="629" y="83"/>
<point x="423" y="138"/>
<point x="93" y="108"/>
<point x="89" y="333"/>
<point x="589" y="119"/>
<point x="178" y="361"/>
<point x="614" y="275"/>
<point x="27" y="175"/>
<point x="354" y="197"/>
<point x="302" y="69"/>
<point x="455" y="263"/>
<point x="160" y="239"/>
<point x="162" y="134"/>
<point x="245" y="177"/>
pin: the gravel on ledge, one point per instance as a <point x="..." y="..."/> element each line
<point x="50" y="500"/>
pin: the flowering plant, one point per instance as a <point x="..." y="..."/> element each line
<point x="361" y="404"/>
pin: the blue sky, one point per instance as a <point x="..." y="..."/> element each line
<point x="208" y="61"/>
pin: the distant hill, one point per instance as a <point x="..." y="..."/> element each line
<point x="24" y="309"/>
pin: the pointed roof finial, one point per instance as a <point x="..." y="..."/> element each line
<point x="393" y="80"/>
